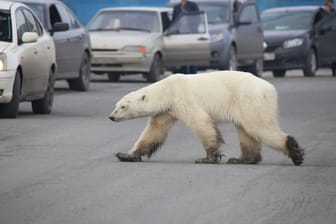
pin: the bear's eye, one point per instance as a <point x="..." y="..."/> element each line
<point x="123" y="107"/>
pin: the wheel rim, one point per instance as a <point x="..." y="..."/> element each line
<point x="313" y="62"/>
<point x="233" y="60"/>
<point x="50" y="90"/>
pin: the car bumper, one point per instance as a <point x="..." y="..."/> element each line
<point x="285" y="59"/>
<point x="120" y="62"/>
<point x="6" y="86"/>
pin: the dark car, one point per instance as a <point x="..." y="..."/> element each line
<point x="236" y="34"/>
<point x="295" y="42"/>
<point x="72" y="41"/>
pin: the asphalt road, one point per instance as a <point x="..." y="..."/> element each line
<point x="60" y="168"/>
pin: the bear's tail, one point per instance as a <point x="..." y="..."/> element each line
<point x="295" y="152"/>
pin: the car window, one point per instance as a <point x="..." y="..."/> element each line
<point x="55" y="16"/>
<point x="20" y="24"/>
<point x="189" y="23"/>
<point x="5" y="26"/>
<point x="249" y="13"/>
<point x="217" y="14"/>
<point x="34" y="26"/>
<point x="126" y="20"/>
<point x="287" y="20"/>
<point x="330" y="23"/>
<point x="73" y="21"/>
<point x="63" y="12"/>
<point x="39" y="11"/>
<point x="165" y="20"/>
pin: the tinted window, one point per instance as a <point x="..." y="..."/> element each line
<point x="249" y="13"/>
<point x="33" y="25"/>
<point x="20" y="24"/>
<point x="65" y="17"/>
<point x="287" y="20"/>
<point x="5" y="26"/>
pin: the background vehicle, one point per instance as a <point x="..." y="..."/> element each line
<point x="236" y="34"/>
<point x="288" y="34"/>
<point x="72" y="42"/>
<point x="132" y="40"/>
<point x="27" y="61"/>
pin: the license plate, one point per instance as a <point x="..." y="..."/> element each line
<point x="269" y="56"/>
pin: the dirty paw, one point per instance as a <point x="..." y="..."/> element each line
<point x="125" y="157"/>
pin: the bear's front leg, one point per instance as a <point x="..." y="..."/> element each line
<point x="125" y="157"/>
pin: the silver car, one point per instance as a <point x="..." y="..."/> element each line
<point x="27" y="61"/>
<point x="132" y="40"/>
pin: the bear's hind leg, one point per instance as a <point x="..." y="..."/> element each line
<point x="250" y="149"/>
<point x="151" y="139"/>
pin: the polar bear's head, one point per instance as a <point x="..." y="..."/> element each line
<point x="133" y="105"/>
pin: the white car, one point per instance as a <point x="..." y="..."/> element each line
<point x="132" y="40"/>
<point x="27" y="61"/>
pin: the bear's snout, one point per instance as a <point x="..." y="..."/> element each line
<point x="111" y="118"/>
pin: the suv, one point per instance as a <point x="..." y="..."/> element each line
<point x="133" y="40"/>
<point x="236" y="34"/>
<point x="72" y="41"/>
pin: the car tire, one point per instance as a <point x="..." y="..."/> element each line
<point x="113" y="77"/>
<point x="82" y="83"/>
<point x="333" y="69"/>
<point x="156" y="69"/>
<point x="11" y="109"/>
<point x="44" y="105"/>
<point x="257" y="68"/>
<point x="310" y="67"/>
<point x="279" y="73"/>
<point x="232" y="60"/>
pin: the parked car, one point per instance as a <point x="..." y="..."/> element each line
<point x="72" y="42"/>
<point x="133" y="40"/>
<point x="295" y="42"/>
<point x="236" y="34"/>
<point x="27" y="61"/>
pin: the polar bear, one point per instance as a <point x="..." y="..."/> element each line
<point x="203" y="101"/>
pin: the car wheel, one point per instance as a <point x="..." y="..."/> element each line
<point x="311" y="64"/>
<point x="156" y="69"/>
<point x="279" y="73"/>
<point x="232" y="60"/>
<point x="44" y="105"/>
<point x="333" y="69"/>
<point x="11" y="109"/>
<point x="257" y="68"/>
<point x="113" y="77"/>
<point x="82" y="83"/>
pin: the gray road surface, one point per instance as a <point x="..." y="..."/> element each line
<point x="60" y="168"/>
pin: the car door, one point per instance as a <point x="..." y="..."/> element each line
<point x="187" y="41"/>
<point x="31" y="56"/>
<point x="249" y="32"/>
<point x="325" y="38"/>
<point x="68" y="43"/>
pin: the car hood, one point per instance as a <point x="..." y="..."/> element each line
<point x="3" y="46"/>
<point x="280" y="36"/>
<point x="117" y="40"/>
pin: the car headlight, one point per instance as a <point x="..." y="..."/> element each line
<point x="293" y="43"/>
<point x="217" y="37"/>
<point x="136" y="49"/>
<point x="2" y="62"/>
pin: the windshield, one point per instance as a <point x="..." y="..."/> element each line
<point x="125" y="20"/>
<point x="217" y="14"/>
<point x="5" y="26"/>
<point x="39" y="11"/>
<point x="287" y="20"/>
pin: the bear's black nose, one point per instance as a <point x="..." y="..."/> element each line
<point x="112" y="118"/>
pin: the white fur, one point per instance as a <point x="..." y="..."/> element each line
<point x="202" y="101"/>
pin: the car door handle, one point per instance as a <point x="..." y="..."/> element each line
<point x="203" y="38"/>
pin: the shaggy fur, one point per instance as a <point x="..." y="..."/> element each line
<point x="202" y="102"/>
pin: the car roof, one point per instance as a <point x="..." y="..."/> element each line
<point x="291" y="9"/>
<point x="171" y="2"/>
<point x="138" y="8"/>
<point x="44" y="2"/>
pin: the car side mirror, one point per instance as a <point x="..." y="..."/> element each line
<point x="59" y="27"/>
<point x="29" y="37"/>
